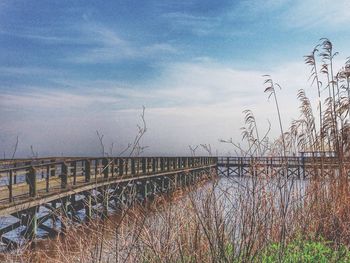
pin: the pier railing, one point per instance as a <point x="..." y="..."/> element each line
<point x="299" y="166"/>
<point x="278" y="161"/>
<point x="21" y="179"/>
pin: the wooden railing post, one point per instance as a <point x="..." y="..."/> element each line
<point x="64" y="175"/>
<point x="87" y="170"/>
<point x="168" y="163"/>
<point x="144" y="165"/>
<point x="42" y="171"/>
<point x="121" y="167"/>
<point x="53" y="168"/>
<point x="31" y="181"/>
<point x="133" y="166"/>
<point x="162" y="165"/>
<point x="105" y="164"/>
<point x="149" y="163"/>
<point x="154" y="163"/>
<point x="126" y="169"/>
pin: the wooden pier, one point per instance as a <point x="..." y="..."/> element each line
<point x="300" y="167"/>
<point x="40" y="190"/>
<point x="49" y="190"/>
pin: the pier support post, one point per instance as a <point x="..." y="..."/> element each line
<point x="146" y="190"/>
<point x="163" y="185"/>
<point x="31" y="224"/>
<point x="88" y="205"/>
<point x="105" y="201"/>
<point x="64" y="214"/>
<point x="72" y="206"/>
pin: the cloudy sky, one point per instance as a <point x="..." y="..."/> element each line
<point x="69" y="68"/>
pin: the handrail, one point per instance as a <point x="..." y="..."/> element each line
<point x="57" y="174"/>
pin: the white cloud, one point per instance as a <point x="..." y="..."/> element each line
<point x="199" y="25"/>
<point x="190" y="103"/>
<point x="97" y="43"/>
<point x="327" y="14"/>
<point x="108" y="46"/>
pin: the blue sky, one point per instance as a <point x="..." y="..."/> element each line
<point x="69" y="68"/>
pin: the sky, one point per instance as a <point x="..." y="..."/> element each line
<point x="69" y="68"/>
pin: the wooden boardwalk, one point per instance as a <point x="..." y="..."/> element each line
<point x="64" y="186"/>
<point x="35" y="192"/>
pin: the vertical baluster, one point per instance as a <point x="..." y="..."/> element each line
<point x="144" y="165"/>
<point x="42" y="170"/>
<point x="10" y="186"/>
<point x="31" y="180"/>
<point x="154" y="169"/>
<point x="121" y="166"/>
<point x="113" y="166"/>
<point x="96" y="168"/>
<point x="168" y="163"/>
<point x="47" y="178"/>
<point x="161" y="164"/>
<point x="74" y="171"/>
<point x="15" y="174"/>
<point x="127" y="160"/>
<point x="53" y="168"/>
<point x="133" y="166"/>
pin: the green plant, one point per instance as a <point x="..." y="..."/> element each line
<point x="306" y="251"/>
